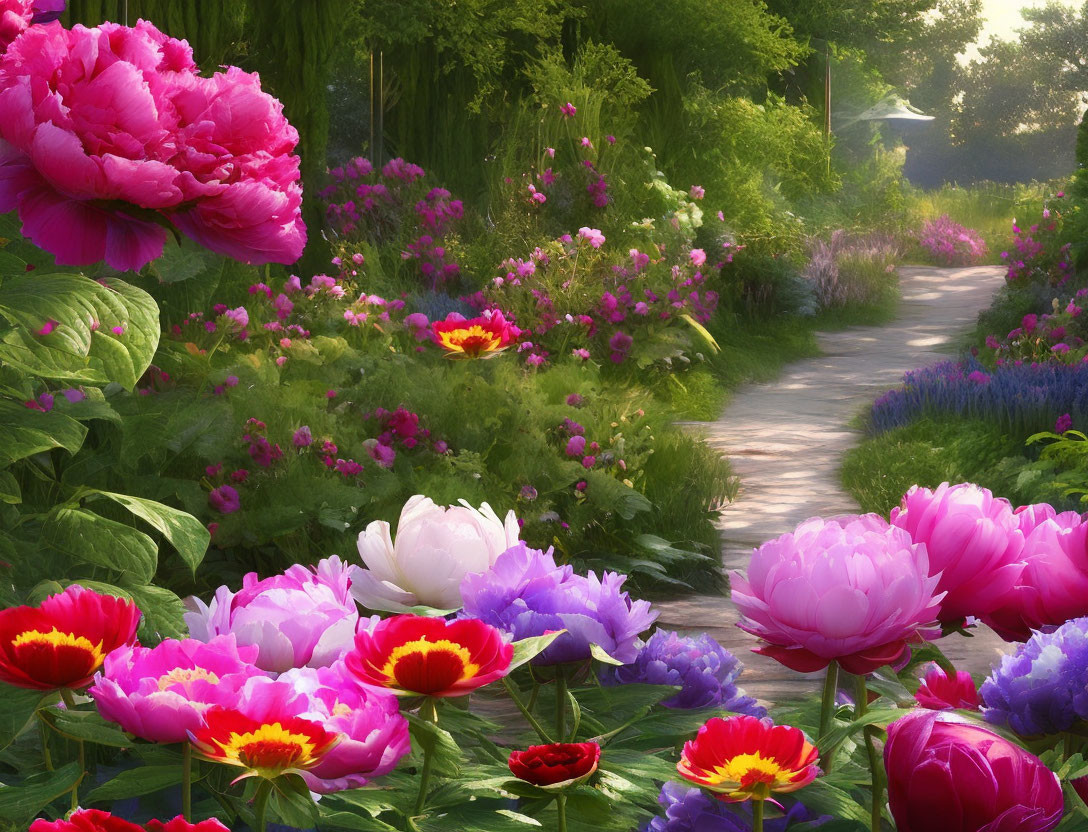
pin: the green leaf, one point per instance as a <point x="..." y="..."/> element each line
<point x="823" y="798"/>
<point x="878" y="716"/>
<point x="163" y="613"/>
<point x="27" y="432"/>
<point x="135" y="782"/>
<point x="17" y="707"/>
<point x="87" y="725"/>
<point x="437" y="741"/>
<point x="183" y="261"/>
<point x="18" y="804"/>
<point x="9" y="489"/>
<point x="185" y="532"/>
<point x="600" y="655"/>
<point x="529" y="648"/>
<point x="290" y="801"/>
<point x="89" y="538"/>
<point x="83" y="341"/>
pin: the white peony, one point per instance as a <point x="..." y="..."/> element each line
<point x="435" y="548"/>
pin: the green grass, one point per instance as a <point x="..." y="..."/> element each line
<point x="752" y="350"/>
<point x="879" y="471"/>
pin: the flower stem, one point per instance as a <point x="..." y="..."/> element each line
<point x="560" y="704"/>
<point x="260" y="804"/>
<point x="429" y="712"/>
<point x="561" y="808"/>
<point x="757" y="816"/>
<point x="70" y="704"/>
<point x="876" y="766"/>
<point x="43" y="734"/>
<point x="187" y="782"/>
<point x="525" y="712"/>
<point x="827" y="709"/>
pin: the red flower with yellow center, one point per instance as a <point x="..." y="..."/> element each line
<point x="475" y="338"/>
<point x="265" y="747"/>
<point x="62" y="642"/>
<point x="745" y="758"/>
<point x="410" y="655"/>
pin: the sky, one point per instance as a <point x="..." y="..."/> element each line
<point x="1003" y="19"/>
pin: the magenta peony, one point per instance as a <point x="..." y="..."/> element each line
<point x="302" y="618"/>
<point x="373" y="734"/>
<point x="1054" y="585"/>
<point x="973" y="540"/>
<point x="851" y="589"/>
<point x="948" y="776"/>
<point x="160" y="693"/>
<point x="16" y="16"/>
<point x="943" y="691"/>
<point x="109" y="135"/>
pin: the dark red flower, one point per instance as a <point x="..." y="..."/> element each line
<point x="412" y="655"/>
<point x="95" y="820"/>
<point x="559" y="763"/>
<point x="62" y="642"/>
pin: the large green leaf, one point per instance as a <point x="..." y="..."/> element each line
<point x="185" y="532"/>
<point x="135" y="782"/>
<point x="18" y="804"/>
<point x="83" y="344"/>
<point x="87" y="725"/>
<point x="9" y="489"/>
<point x="17" y="708"/>
<point x="89" y="538"/>
<point x="27" y="432"/>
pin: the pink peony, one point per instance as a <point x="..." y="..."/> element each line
<point x="373" y="734"/>
<point x="224" y="499"/>
<point x="16" y="16"/>
<point x="852" y="589"/>
<point x="1053" y="587"/>
<point x="108" y="135"/>
<point x="302" y="618"/>
<point x="973" y="541"/>
<point x="160" y="693"/>
<point x="941" y="691"/>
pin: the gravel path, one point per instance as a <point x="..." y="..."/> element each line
<point x="785" y="440"/>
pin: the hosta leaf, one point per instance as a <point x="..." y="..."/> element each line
<point x="27" y="432"/>
<point x="185" y="532"/>
<point x="89" y="538"/>
<point x="82" y="344"/>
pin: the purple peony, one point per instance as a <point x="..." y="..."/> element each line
<point x="704" y="670"/>
<point x="688" y="809"/>
<point x="1043" y="687"/>
<point x="525" y="594"/>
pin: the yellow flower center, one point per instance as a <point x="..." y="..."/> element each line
<point x="340" y="709"/>
<point x="56" y="639"/>
<point x="185" y="676"/>
<point x="470" y="339"/>
<point x="270" y="747"/>
<point x="428" y="666"/>
<point x="754" y="773"/>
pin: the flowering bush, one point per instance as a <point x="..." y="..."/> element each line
<point x="951" y="244"/>
<point x="1059" y="335"/>
<point x="1039" y="256"/>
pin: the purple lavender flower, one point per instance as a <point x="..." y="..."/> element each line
<point x="1043" y="687"/>
<point x="704" y="670"/>
<point x="688" y="809"/>
<point x="526" y="595"/>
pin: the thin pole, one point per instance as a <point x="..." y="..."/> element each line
<point x="370" y="149"/>
<point x="827" y="103"/>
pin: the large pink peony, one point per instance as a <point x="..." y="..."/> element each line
<point x="974" y="542"/>
<point x="16" y="16"/>
<point x="109" y="135"/>
<point x="302" y="618"/>
<point x="373" y="734"/>
<point x="1054" y="585"/>
<point x="161" y="693"/>
<point x="850" y="589"/>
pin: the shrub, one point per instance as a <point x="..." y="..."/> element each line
<point x="853" y="270"/>
<point x="951" y="244"/>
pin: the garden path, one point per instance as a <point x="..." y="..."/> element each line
<point x="785" y="441"/>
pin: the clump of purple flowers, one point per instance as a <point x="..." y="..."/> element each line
<point x="705" y="672"/>
<point x="526" y="594"/>
<point x="851" y="269"/>
<point x="1022" y="397"/>
<point x="951" y="244"/>
<point x="1043" y="687"/>
<point x="688" y="809"/>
